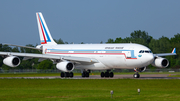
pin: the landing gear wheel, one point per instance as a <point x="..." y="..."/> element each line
<point x="106" y="74"/>
<point x="102" y="74"/>
<point x="62" y="74"/>
<point x="111" y="74"/>
<point x="71" y="74"/>
<point x="83" y="74"/>
<point x="66" y="74"/>
<point x="87" y="74"/>
<point x="136" y="75"/>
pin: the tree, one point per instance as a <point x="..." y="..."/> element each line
<point x="164" y="45"/>
<point x="141" y="36"/>
<point x="6" y="48"/>
<point x="175" y="43"/>
<point x="175" y="39"/>
<point x="154" y="46"/>
<point x="118" y="40"/>
<point x="110" y="41"/>
<point x="59" y="41"/>
<point x="15" y="49"/>
<point x="46" y="64"/>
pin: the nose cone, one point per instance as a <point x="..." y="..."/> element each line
<point x="149" y="58"/>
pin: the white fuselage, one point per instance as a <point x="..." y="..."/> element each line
<point x="109" y="56"/>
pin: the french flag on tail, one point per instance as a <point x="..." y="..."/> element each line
<point x="45" y="36"/>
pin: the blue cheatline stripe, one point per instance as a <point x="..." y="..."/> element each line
<point x="87" y="50"/>
<point x="132" y="51"/>
<point x="132" y="54"/>
<point x="47" y="36"/>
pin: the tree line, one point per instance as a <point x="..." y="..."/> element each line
<point x="161" y="45"/>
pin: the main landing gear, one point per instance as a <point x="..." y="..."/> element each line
<point x="85" y="73"/>
<point x="67" y="74"/>
<point x="136" y="75"/>
<point x="107" y="74"/>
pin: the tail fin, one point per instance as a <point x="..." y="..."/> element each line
<point x="45" y="36"/>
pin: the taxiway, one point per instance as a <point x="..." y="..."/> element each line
<point x="143" y="76"/>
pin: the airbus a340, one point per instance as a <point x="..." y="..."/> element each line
<point x="89" y="56"/>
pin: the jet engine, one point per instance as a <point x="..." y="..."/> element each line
<point x="142" y="69"/>
<point x="12" y="61"/>
<point x="65" y="66"/>
<point x="160" y="62"/>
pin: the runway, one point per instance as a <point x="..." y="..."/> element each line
<point x="142" y="76"/>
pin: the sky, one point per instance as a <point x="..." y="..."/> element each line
<point x="88" y="21"/>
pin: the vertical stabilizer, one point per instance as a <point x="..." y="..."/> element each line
<point x="45" y="36"/>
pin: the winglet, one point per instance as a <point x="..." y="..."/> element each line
<point x="174" y="50"/>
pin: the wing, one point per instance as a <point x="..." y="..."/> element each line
<point x="166" y="54"/>
<point x="46" y="56"/>
<point x="37" y="48"/>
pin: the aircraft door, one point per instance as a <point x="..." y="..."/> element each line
<point x="129" y="52"/>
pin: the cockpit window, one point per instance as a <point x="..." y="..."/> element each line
<point x="141" y="51"/>
<point x="145" y="51"/>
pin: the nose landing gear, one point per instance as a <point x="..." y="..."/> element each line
<point x="136" y="75"/>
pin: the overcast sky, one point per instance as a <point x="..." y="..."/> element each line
<point x="88" y="21"/>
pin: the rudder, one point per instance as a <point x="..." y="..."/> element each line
<point x="45" y="36"/>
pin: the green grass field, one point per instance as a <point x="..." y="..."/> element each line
<point x="58" y="74"/>
<point x="89" y="89"/>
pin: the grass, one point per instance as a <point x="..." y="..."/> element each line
<point x="174" y="76"/>
<point x="58" y="74"/>
<point x="29" y="74"/>
<point x="89" y="89"/>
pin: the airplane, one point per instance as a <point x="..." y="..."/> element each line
<point x="87" y="57"/>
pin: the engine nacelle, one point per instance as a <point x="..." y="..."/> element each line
<point x="160" y="62"/>
<point x="65" y="66"/>
<point x="12" y="61"/>
<point x="142" y="69"/>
